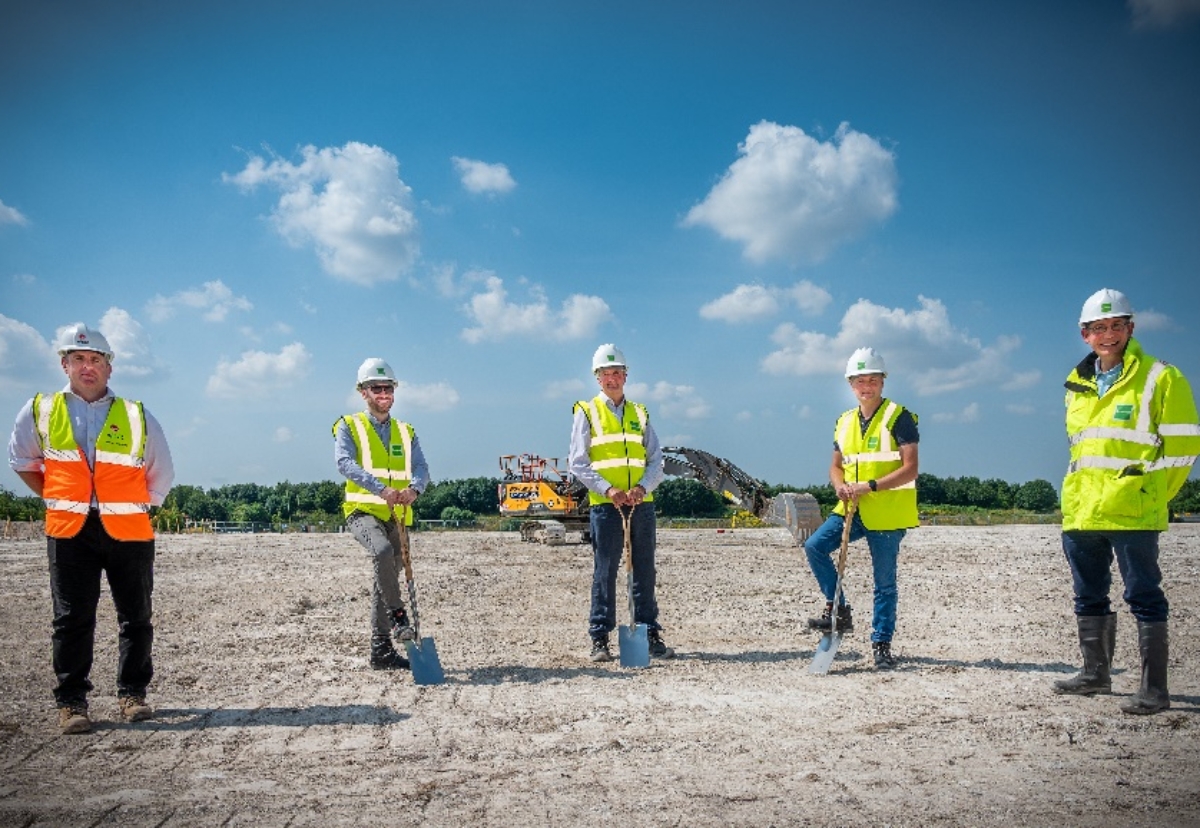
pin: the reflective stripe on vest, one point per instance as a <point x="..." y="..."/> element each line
<point x="870" y="456"/>
<point x="618" y="451"/>
<point x="377" y="460"/>
<point x="117" y="481"/>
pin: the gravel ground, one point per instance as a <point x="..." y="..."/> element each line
<point x="268" y="714"/>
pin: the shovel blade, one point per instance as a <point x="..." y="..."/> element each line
<point x="426" y="668"/>
<point x="634" y="646"/>
<point x="827" y="648"/>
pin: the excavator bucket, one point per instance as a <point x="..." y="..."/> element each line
<point x="798" y="511"/>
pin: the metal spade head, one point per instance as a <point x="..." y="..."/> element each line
<point x="426" y="668"/>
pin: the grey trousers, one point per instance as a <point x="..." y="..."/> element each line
<point x="382" y="542"/>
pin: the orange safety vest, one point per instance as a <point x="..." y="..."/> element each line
<point x="118" y="479"/>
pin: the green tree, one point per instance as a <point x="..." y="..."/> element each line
<point x="23" y="508"/>
<point x="1036" y="496"/>
<point x="678" y="497"/>
<point x="457" y="513"/>
<point x="1187" y="499"/>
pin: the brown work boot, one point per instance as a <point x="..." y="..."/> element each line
<point x="135" y="709"/>
<point x="73" y="719"/>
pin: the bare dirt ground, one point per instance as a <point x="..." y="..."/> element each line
<point x="268" y="714"/>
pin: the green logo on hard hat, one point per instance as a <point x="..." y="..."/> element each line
<point x="862" y="365"/>
<point x="612" y="357"/>
<point x="1105" y="307"/>
<point x="380" y="371"/>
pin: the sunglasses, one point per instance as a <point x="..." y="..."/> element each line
<point x="380" y="389"/>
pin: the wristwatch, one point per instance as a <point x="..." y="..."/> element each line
<point x="874" y="486"/>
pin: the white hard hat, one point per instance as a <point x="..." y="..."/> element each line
<point x="79" y="337"/>
<point x="1105" y="304"/>
<point x="375" y="370"/>
<point x="608" y="356"/>
<point x="865" y="361"/>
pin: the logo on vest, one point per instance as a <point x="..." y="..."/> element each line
<point x="635" y="426"/>
<point x="873" y="443"/>
<point x="1123" y="412"/>
<point x="397" y="450"/>
<point x="113" y="436"/>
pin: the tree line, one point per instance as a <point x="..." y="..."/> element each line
<point x="314" y="504"/>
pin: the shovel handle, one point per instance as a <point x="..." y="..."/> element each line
<point x="401" y="513"/>
<point x="841" y="564"/>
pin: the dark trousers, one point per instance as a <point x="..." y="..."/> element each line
<point x="75" y="567"/>
<point x="608" y="543"/>
<point x="1090" y="555"/>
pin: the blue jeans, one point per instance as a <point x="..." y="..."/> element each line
<point x="608" y="544"/>
<point x="885" y="551"/>
<point x="1090" y="555"/>
<point x="75" y="567"/>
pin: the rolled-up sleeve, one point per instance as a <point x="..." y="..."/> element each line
<point x="160" y="466"/>
<point x="24" y="450"/>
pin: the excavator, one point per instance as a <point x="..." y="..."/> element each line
<point x="551" y="503"/>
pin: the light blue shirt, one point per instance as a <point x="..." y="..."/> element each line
<point x="345" y="454"/>
<point x="579" y="464"/>
<point x="1107" y="379"/>
<point x="25" y="452"/>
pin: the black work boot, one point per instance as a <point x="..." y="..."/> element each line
<point x="1152" y="696"/>
<point x="401" y="629"/>
<point x="384" y="655"/>
<point x="884" y="660"/>
<point x="825" y="622"/>
<point x="600" y="651"/>
<point x="1097" y="640"/>
<point x="658" y="647"/>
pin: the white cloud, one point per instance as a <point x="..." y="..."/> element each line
<point x="496" y="318"/>
<point x="480" y="177"/>
<point x="132" y="355"/>
<point x="921" y="345"/>
<point x="449" y="284"/>
<point x="668" y="400"/>
<point x="752" y="303"/>
<point x="24" y="278"/>
<point x="559" y="389"/>
<point x="283" y="434"/>
<point x="1162" y="14"/>
<point x="792" y="197"/>
<point x="1019" y="408"/>
<point x="11" y="215"/>
<point x="438" y="396"/>
<point x="1021" y="380"/>
<point x="257" y="374"/>
<point x="214" y="300"/>
<point x="349" y="203"/>
<point x="969" y="414"/>
<point x="1152" y="320"/>
<point x="27" y="361"/>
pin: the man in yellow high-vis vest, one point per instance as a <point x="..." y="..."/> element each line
<point x="616" y="454"/>
<point x="385" y="469"/>
<point x="99" y="462"/>
<point x="874" y="464"/>
<point x="1134" y="435"/>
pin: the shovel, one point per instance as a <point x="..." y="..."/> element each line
<point x="422" y="653"/>
<point x="632" y="642"/>
<point x="827" y="647"/>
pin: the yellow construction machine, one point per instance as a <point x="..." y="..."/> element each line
<point x="551" y="502"/>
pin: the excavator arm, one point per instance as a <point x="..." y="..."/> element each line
<point x="799" y="512"/>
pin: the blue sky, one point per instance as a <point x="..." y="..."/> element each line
<point x="251" y="198"/>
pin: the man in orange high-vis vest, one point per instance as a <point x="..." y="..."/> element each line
<point x="99" y="462"/>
